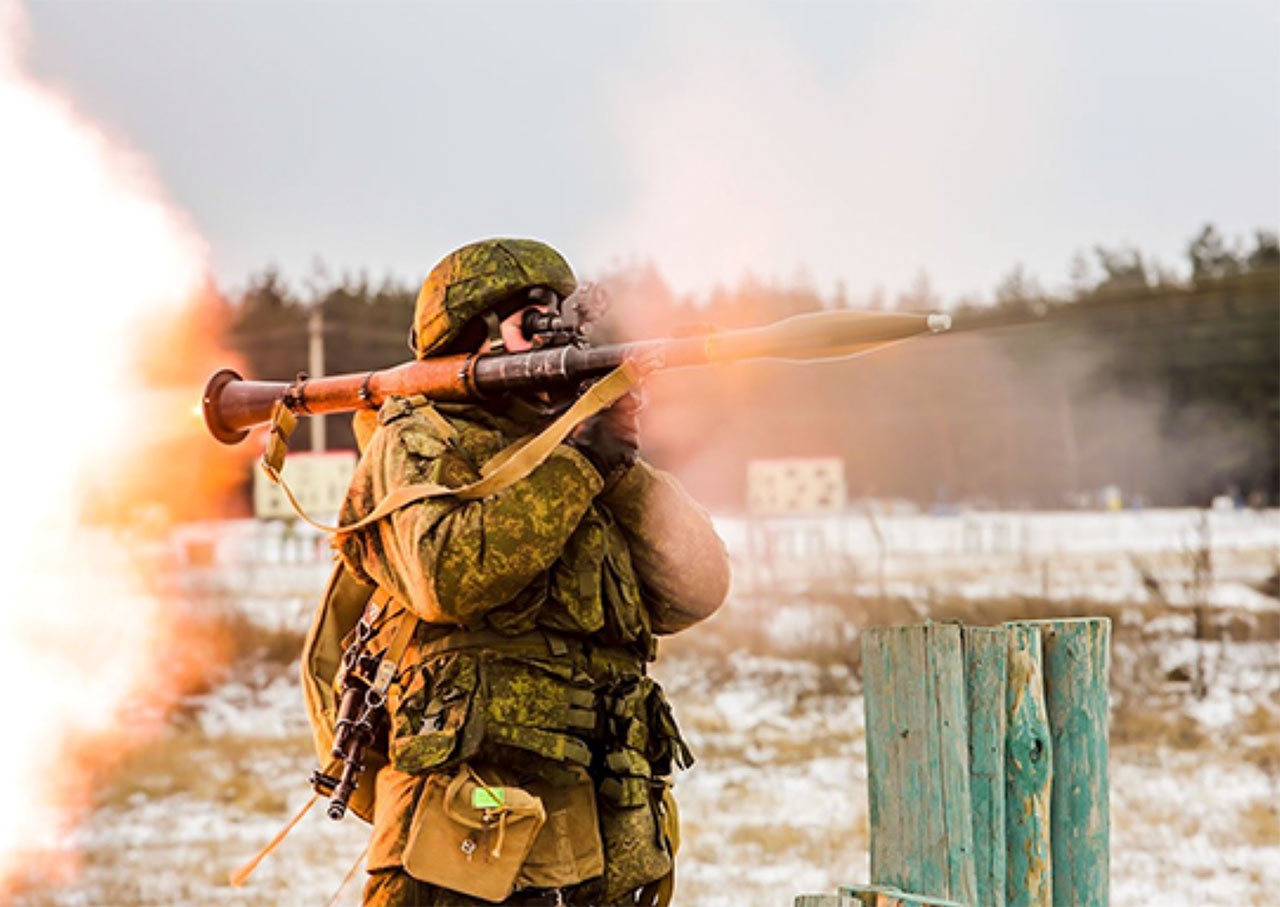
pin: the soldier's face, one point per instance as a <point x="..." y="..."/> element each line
<point x="512" y="332"/>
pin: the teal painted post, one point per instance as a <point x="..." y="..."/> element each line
<point x="918" y="760"/>
<point x="1029" y="775"/>
<point x="1076" y="667"/>
<point x="986" y="670"/>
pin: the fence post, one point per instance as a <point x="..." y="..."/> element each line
<point x="986" y="670"/>
<point x="1029" y="773"/>
<point x="1076" y="665"/>
<point x="918" y="760"/>
<point x="987" y="762"/>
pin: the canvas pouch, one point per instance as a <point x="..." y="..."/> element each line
<point x="472" y="837"/>
<point x="568" y="849"/>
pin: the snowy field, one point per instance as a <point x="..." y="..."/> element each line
<point x="768" y="693"/>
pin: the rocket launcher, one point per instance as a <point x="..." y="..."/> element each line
<point x="233" y="406"/>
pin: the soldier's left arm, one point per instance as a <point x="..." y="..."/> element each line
<point x="680" y="559"/>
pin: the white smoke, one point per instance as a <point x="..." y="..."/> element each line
<point x="89" y="246"/>
<point x="743" y="153"/>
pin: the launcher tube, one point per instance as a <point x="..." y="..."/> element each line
<point x="232" y="405"/>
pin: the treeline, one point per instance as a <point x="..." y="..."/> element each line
<point x="1134" y="376"/>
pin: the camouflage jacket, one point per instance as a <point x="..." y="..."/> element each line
<point x="596" y="573"/>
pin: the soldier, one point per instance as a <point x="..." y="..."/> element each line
<point x="530" y="752"/>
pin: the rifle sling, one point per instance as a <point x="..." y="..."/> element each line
<point x="239" y="876"/>
<point x="388" y="668"/>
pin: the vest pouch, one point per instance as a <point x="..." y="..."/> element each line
<point x="472" y="837"/>
<point x="568" y="849"/>
<point x="639" y="850"/>
<point x="628" y="774"/>
<point x="626" y="618"/>
<point x="432" y="728"/>
<point x="665" y="746"/>
<point x="534" y="708"/>
<point x="576" y="604"/>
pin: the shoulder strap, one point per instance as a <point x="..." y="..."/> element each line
<point x="509" y="466"/>
<point x="519" y="459"/>
<point x="389" y="667"/>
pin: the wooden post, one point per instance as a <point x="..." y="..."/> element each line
<point x="1029" y="773"/>
<point x="887" y="896"/>
<point x="1076" y="663"/>
<point x="918" y="760"/>
<point x="825" y="900"/>
<point x="986" y="661"/>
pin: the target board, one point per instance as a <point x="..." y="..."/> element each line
<point x="319" y="481"/>
<point x="799" y="485"/>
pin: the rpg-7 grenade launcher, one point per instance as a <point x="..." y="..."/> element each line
<point x="562" y="358"/>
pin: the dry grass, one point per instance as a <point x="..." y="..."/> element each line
<point x="256" y="643"/>
<point x="1260" y="824"/>
<point x="779" y="750"/>
<point x="1136" y="723"/>
<point x="234" y="771"/>
<point x="231" y="770"/>
<point x="1259" y="737"/>
<point x="810" y="845"/>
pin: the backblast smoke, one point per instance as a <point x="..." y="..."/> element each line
<point x="102" y="276"/>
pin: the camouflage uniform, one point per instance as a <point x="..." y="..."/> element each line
<point x="539" y="606"/>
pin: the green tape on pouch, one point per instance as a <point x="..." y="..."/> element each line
<point x="488" y="797"/>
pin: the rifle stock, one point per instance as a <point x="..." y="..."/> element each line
<point x="232" y="406"/>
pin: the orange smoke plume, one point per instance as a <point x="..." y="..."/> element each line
<point x="111" y="333"/>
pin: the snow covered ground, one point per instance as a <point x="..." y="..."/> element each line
<point x="768" y="694"/>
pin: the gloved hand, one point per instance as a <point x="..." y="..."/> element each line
<point x="611" y="438"/>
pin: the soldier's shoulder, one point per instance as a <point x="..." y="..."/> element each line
<point x="413" y="424"/>
<point x="397" y="408"/>
<point x="430" y="430"/>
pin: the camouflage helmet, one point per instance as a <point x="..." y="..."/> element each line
<point x="472" y="280"/>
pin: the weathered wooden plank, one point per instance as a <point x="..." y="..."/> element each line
<point x="893" y="685"/>
<point x="867" y="895"/>
<point x="885" y="769"/>
<point x="1076" y="668"/>
<point x="917" y="760"/>
<point x="1029" y="775"/>
<point x="888" y="896"/>
<point x="986" y="670"/>
<point x="825" y="900"/>
<point x="945" y="647"/>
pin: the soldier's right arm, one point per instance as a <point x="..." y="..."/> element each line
<point x="450" y="560"/>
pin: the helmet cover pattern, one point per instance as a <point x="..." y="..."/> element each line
<point x="474" y="279"/>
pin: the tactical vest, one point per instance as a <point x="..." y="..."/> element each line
<point x="554" y="678"/>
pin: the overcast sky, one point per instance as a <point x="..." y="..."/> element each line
<point x="853" y="142"/>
